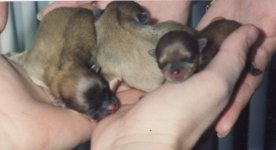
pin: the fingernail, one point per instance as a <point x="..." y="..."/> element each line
<point x="223" y="131"/>
<point x="219" y="135"/>
<point x="252" y="35"/>
<point x="39" y="16"/>
<point x="222" y="135"/>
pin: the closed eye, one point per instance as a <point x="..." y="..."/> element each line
<point x="187" y="59"/>
<point x="162" y="65"/>
<point x="143" y="18"/>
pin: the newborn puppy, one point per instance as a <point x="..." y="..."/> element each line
<point x="124" y="39"/>
<point x="177" y="55"/>
<point x="216" y="32"/>
<point x="180" y="54"/>
<point x="61" y="61"/>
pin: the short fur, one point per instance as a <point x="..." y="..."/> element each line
<point x="196" y="52"/>
<point x="177" y="55"/>
<point x="64" y="50"/>
<point x="216" y="32"/>
<point x="68" y="44"/>
<point x="123" y="47"/>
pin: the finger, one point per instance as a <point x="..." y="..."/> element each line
<point x="216" y="10"/>
<point x="29" y="118"/>
<point x="123" y="87"/>
<point x="102" y="4"/>
<point x="239" y="101"/>
<point x="68" y="125"/>
<point x="54" y="5"/>
<point x="247" y="87"/>
<point x="3" y="15"/>
<point x="23" y="81"/>
<point x="130" y="96"/>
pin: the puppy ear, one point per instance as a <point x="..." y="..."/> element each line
<point x="152" y="53"/>
<point x="202" y="42"/>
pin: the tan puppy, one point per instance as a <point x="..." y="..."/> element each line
<point x="61" y="61"/>
<point x="124" y="45"/>
<point x="67" y="45"/>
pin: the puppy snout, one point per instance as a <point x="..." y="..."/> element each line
<point x="113" y="106"/>
<point x="97" y="100"/>
<point x="108" y="107"/>
<point x="177" y="72"/>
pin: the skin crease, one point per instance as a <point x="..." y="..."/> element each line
<point x="246" y="88"/>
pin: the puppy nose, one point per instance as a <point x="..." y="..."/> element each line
<point x="176" y="72"/>
<point x="113" y="107"/>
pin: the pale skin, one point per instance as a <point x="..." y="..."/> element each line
<point x="156" y="115"/>
<point x="3" y="15"/>
<point x="261" y="14"/>
<point x="27" y="123"/>
<point x="143" y="110"/>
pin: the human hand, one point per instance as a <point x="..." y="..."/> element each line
<point x="27" y="123"/>
<point x="57" y="4"/>
<point x="175" y="115"/>
<point x="261" y="14"/>
<point x="3" y="15"/>
<point x="155" y="8"/>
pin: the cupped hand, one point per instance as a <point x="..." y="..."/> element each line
<point x="260" y="13"/>
<point x="175" y="115"/>
<point x="27" y="122"/>
<point x="154" y="8"/>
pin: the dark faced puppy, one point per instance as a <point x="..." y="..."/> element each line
<point x="92" y="96"/>
<point x="61" y="60"/>
<point x="180" y="54"/>
<point x="177" y="55"/>
<point x="71" y="78"/>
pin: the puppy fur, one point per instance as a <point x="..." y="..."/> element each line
<point x="123" y="47"/>
<point x="64" y="50"/>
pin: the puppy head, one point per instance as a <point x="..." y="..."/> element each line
<point x="177" y="55"/>
<point x="128" y="10"/>
<point x="96" y="97"/>
<point x="92" y="96"/>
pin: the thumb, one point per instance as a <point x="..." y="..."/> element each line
<point x="57" y="4"/>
